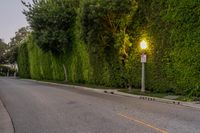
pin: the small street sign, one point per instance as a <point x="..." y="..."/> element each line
<point x="143" y="58"/>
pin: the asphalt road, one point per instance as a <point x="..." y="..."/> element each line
<point x="42" y="108"/>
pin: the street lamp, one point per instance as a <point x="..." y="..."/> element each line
<point x="143" y="46"/>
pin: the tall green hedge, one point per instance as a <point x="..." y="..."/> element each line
<point x="43" y="65"/>
<point x="104" y="45"/>
<point x="23" y="61"/>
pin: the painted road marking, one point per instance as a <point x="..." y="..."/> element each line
<point x="142" y="123"/>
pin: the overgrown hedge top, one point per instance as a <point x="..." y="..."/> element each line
<point x="52" y="22"/>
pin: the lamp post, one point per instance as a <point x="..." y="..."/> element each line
<point x="143" y="46"/>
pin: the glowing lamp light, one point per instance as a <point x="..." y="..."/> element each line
<point x="143" y="45"/>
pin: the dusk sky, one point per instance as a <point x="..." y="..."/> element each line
<point x="11" y="18"/>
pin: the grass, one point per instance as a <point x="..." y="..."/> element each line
<point x="187" y="99"/>
<point x="147" y="93"/>
<point x="160" y="95"/>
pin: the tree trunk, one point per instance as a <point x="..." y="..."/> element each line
<point x="129" y="88"/>
<point x="65" y="72"/>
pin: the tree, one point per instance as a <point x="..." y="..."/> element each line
<point x="3" y="47"/>
<point x="20" y="35"/>
<point x="107" y="22"/>
<point x="52" y="22"/>
<point x="15" y="42"/>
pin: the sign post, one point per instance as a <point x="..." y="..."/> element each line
<point x="143" y="61"/>
<point x="143" y="46"/>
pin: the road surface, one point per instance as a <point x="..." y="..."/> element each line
<point x="41" y="108"/>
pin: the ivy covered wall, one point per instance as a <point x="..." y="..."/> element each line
<point x="97" y="41"/>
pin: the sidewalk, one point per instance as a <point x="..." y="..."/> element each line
<point x="116" y="92"/>
<point x="5" y="121"/>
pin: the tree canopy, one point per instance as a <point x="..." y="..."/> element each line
<point x="52" y="22"/>
<point x="3" y="48"/>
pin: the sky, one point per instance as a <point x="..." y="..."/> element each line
<point x="11" y="18"/>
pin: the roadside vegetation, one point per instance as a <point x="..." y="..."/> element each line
<point x="9" y="52"/>
<point x="97" y="42"/>
<point x="6" y="71"/>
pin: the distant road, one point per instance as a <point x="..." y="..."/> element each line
<point x="41" y="108"/>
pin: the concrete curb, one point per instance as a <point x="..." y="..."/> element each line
<point x="6" y="125"/>
<point x="116" y="92"/>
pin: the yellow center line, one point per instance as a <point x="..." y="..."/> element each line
<point x="142" y="123"/>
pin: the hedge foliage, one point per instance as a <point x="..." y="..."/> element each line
<point x="104" y="44"/>
<point x="23" y="61"/>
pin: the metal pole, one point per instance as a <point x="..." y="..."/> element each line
<point x="143" y="77"/>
